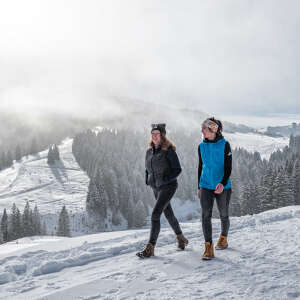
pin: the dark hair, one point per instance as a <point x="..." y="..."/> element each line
<point x="219" y="123"/>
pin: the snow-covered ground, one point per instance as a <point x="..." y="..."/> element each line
<point x="50" y="187"/>
<point x="263" y="121"/>
<point x="252" y="142"/>
<point x="262" y="262"/>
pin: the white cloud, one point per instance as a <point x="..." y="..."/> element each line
<point x="217" y="56"/>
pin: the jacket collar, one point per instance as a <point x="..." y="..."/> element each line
<point x="218" y="137"/>
<point x="156" y="149"/>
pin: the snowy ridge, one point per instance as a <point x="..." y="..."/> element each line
<point x="262" y="262"/>
<point x="252" y="142"/>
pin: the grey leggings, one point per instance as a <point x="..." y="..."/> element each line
<point x="207" y="202"/>
<point x="163" y="197"/>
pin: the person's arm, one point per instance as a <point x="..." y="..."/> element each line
<point x="227" y="164"/>
<point x="199" y="166"/>
<point x="146" y="177"/>
<point x="146" y="172"/>
<point x="175" y="165"/>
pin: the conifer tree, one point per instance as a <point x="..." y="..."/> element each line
<point x="64" y="223"/>
<point x="296" y="176"/>
<point x="27" y="221"/>
<point x="44" y="229"/>
<point x="50" y="156"/>
<point x="97" y="198"/>
<point x="1" y="237"/>
<point x="140" y="214"/>
<point x="2" y="160"/>
<point x="56" y="152"/>
<point x="15" y="227"/>
<point x="4" y="225"/>
<point x="37" y="229"/>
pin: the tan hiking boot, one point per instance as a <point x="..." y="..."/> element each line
<point x="182" y="241"/>
<point x="147" y="252"/>
<point x="222" y="243"/>
<point x="209" y="251"/>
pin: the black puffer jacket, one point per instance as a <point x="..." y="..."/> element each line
<point x="162" y="166"/>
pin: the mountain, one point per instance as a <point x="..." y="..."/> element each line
<point x="252" y="142"/>
<point x="137" y="114"/>
<point x="33" y="180"/>
<point x="262" y="262"/>
<point x="286" y="131"/>
<point x="65" y="183"/>
<point x="42" y="128"/>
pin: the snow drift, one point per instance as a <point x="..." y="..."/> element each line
<point x="262" y="262"/>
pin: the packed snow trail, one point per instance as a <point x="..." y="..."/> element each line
<point x="262" y="262"/>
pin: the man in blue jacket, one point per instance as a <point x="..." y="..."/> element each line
<point x="215" y="165"/>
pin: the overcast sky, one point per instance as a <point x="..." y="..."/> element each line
<point x="221" y="57"/>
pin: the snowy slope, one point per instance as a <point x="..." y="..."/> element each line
<point x="252" y="142"/>
<point x="35" y="181"/>
<point x="262" y="262"/>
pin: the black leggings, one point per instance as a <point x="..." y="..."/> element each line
<point x="163" y="196"/>
<point x="207" y="202"/>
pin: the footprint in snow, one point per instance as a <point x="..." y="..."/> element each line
<point x="151" y="278"/>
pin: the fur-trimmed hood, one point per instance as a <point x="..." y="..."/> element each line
<point x="165" y="144"/>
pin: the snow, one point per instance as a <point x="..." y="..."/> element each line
<point x="50" y="187"/>
<point x="25" y="243"/>
<point x="33" y="180"/>
<point x="65" y="183"/>
<point x="265" y="120"/>
<point x="262" y="262"/>
<point x="252" y="142"/>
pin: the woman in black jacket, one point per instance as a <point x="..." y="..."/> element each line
<point x="162" y="169"/>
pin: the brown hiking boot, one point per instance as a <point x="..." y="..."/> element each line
<point x="147" y="252"/>
<point x="209" y="251"/>
<point x="222" y="243"/>
<point x="182" y="241"/>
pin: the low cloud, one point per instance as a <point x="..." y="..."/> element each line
<point x="222" y="58"/>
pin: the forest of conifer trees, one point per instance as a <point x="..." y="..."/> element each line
<point x="16" y="225"/>
<point x="114" y="161"/>
<point x="117" y="193"/>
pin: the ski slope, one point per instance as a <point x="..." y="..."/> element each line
<point x="50" y="187"/>
<point x="262" y="262"/>
<point x="252" y="142"/>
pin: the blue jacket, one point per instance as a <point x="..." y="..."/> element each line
<point x="215" y="163"/>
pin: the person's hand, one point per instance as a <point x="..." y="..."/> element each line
<point x="198" y="193"/>
<point x="219" y="188"/>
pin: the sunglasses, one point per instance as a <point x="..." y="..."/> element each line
<point x="211" y="125"/>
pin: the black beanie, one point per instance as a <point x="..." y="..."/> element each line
<point x="160" y="127"/>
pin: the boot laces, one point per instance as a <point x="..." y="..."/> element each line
<point x="147" y="249"/>
<point x="222" y="240"/>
